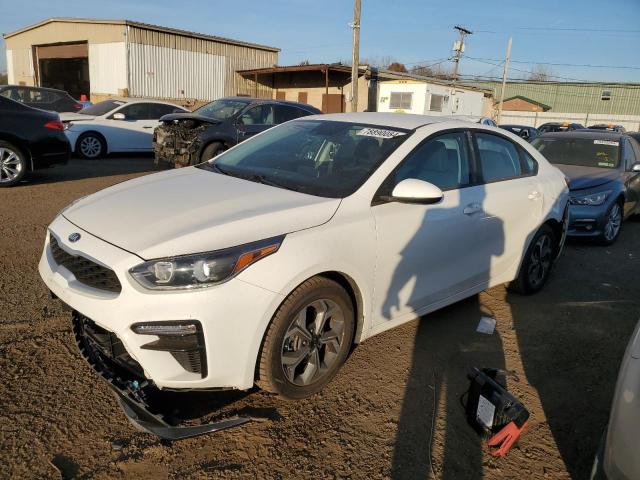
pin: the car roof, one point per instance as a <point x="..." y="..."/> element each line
<point x="31" y="87"/>
<point x="261" y="101"/>
<point x="586" y="134"/>
<point x="407" y="121"/>
<point x="511" y="125"/>
<point x="137" y="100"/>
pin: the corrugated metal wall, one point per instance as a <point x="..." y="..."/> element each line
<point x="162" y="72"/>
<point x="236" y="57"/>
<point x="575" y="97"/>
<point x="108" y="68"/>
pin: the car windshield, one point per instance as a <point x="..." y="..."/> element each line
<point x="322" y="158"/>
<point x="101" y="108"/>
<point x="221" y="109"/>
<point x="586" y="152"/>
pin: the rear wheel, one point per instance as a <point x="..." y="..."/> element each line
<point x="13" y="164"/>
<point x="613" y="225"/>
<point x="308" y="340"/>
<point x="537" y="263"/>
<point x="91" y="145"/>
<point x="212" y="150"/>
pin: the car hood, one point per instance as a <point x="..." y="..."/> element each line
<point x="74" y="117"/>
<point x="581" y="178"/>
<point x="192" y="210"/>
<point x="188" y="116"/>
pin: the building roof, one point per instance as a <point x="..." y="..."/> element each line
<point x="586" y="134"/>
<point x="382" y="74"/>
<point x="528" y="100"/>
<point x="145" y="26"/>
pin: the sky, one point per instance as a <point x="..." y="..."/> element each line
<point x="569" y="34"/>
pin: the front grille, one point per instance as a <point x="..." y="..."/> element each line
<point x="86" y="271"/>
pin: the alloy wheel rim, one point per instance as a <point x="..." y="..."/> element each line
<point x="541" y="259"/>
<point x="90" y="147"/>
<point x="313" y="342"/>
<point x="10" y="165"/>
<point x="614" y="221"/>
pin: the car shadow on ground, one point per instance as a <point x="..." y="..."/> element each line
<point x="568" y="331"/>
<point x="80" y="169"/>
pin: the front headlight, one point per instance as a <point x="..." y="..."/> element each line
<point x="202" y="269"/>
<point x="593" y="199"/>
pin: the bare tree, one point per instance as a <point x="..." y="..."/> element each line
<point x="540" y="73"/>
<point x="435" y="71"/>
<point x="397" y="67"/>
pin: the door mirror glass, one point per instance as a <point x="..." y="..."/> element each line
<point x="412" y="190"/>
<point x="119" y="116"/>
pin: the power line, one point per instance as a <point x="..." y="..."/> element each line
<point x="603" y="30"/>
<point x="528" y="71"/>
<point x="561" y="64"/>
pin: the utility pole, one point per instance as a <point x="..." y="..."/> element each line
<point x="504" y="80"/>
<point x="355" y="60"/>
<point x="458" y="47"/>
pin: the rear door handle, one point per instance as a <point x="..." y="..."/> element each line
<point x="535" y="195"/>
<point x="472" y="208"/>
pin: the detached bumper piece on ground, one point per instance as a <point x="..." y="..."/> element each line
<point x="492" y="411"/>
<point x="106" y="354"/>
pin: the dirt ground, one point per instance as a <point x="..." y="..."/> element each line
<point x="393" y="411"/>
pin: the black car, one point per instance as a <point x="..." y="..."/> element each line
<point x="550" y="127"/>
<point x="524" y="131"/>
<point x="190" y="138"/>
<point x="608" y="127"/>
<point x="29" y="139"/>
<point x="39" y="97"/>
<point x="603" y="169"/>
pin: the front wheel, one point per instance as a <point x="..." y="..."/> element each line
<point x="537" y="263"/>
<point x="308" y="340"/>
<point x="211" y="151"/>
<point x="613" y="225"/>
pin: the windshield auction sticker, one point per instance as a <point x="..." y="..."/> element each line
<point x="379" y="133"/>
<point x="606" y="142"/>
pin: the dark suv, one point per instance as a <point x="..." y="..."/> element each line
<point x="185" y="139"/>
<point x="42" y="98"/>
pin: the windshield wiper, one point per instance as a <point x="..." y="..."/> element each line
<point x="256" y="177"/>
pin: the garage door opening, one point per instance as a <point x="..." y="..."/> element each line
<point x="65" y="67"/>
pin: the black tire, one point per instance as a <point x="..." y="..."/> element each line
<point x="610" y="237"/>
<point x="212" y="150"/>
<point x="283" y="342"/>
<point x="537" y="263"/>
<point x="91" y="146"/>
<point x="13" y="164"/>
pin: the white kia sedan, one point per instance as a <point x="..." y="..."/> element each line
<point x="116" y="125"/>
<point x="266" y="264"/>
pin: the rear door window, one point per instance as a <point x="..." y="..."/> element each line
<point x="499" y="158"/>
<point x="284" y="113"/>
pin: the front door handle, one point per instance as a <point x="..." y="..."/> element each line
<point x="472" y="208"/>
<point x="147" y="126"/>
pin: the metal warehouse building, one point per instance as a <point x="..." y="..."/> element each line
<point x="104" y="58"/>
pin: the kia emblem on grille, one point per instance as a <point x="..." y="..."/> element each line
<point x="74" y="237"/>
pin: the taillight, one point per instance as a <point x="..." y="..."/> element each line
<point x="54" y="125"/>
<point x="78" y="106"/>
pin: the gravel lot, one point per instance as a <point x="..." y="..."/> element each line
<point x="375" y="420"/>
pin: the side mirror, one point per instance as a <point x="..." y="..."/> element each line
<point x="119" y="116"/>
<point x="412" y="190"/>
<point x="635" y="167"/>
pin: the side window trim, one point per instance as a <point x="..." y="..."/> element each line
<point x="471" y="161"/>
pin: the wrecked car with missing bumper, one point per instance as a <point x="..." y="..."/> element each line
<point x="185" y="139"/>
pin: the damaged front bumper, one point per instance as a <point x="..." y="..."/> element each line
<point x="106" y="355"/>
